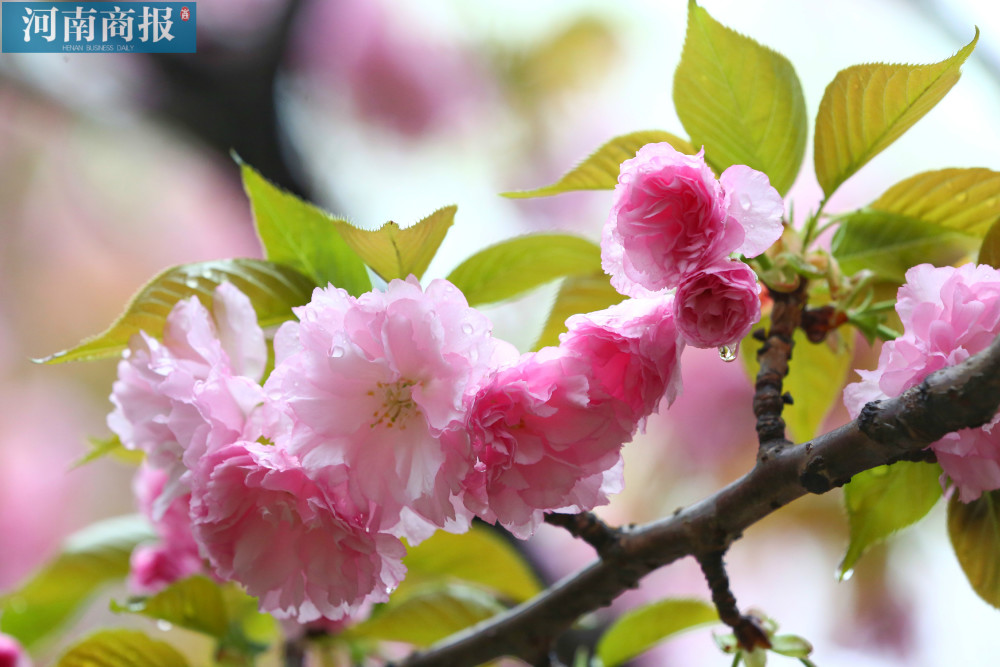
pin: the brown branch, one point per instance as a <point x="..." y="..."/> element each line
<point x="588" y="527"/>
<point x="962" y="396"/>
<point x="748" y="630"/>
<point x="773" y="356"/>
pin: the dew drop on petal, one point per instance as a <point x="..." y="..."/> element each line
<point x="467" y="329"/>
<point x="337" y="352"/>
<point x="729" y="352"/>
<point x="745" y="201"/>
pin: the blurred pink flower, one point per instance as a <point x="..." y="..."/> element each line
<point x="633" y="352"/>
<point x="304" y="550"/>
<point x="12" y="654"/>
<point x="717" y="305"/>
<point x="379" y="383"/>
<point x="193" y="392"/>
<point x="543" y="440"/>
<point x="948" y="315"/>
<point x="671" y="217"/>
<point x="175" y="555"/>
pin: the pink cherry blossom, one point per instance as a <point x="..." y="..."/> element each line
<point x="948" y="315"/>
<point x="175" y="555"/>
<point x="543" y="439"/>
<point x="672" y="217"/>
<point x="379" y="384"/>
<point x="306" y="551"/>
<point x="633" y="352"/>
<point x="12" y="654"/>
<point x="194" y="391"/>
<point x="718" y="305"/>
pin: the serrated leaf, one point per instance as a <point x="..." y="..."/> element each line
<point x="121" y="648"/>
<point x="479" y="557"/>
<point x="296" y="233"/>
<point x="577" y="294"/>
<point x="974" y="529"/>
<point x="512" y="267"/>
<point x="816" y="376"/>
<point x="989" y="251"/>
<point x="741" y="100"/>
<point x="195" y="603"/>
<point x="640" y="629"/>
<point x="89" y="558"/>
<point x="867" y="107"/>
<point x="886" y="499"/>
<point x="429" y="615"/>
<point x="889" y="244"/>
<point x="965" y="200"/>
<point x="110" y="446"/>
<point x="599" y="171"/>
<point x="393" y="252"/>
<point x="272" y="288"/>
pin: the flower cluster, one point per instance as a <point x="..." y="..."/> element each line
<point x="386" y="417"/>
<point x="948" y="315"/>
<point x="674" y="226"/>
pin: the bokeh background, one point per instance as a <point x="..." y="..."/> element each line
<point x="115" y="167"/>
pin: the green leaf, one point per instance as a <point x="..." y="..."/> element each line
<point x="121" y="648"/>
<point x="889" y="244"/>
<point x="392" y="252"/>
<point x="112" y="445"/>
<point x="600" y="170"/>
<point x="480" y="557"/>
<point x="272" y="288"/>
<point x="974" y="529"/>
<point x="94" y="556"/>
<point x="886" y="499"/>
<point x="429" y="615"/>
<point x="578" y="294"/>
<point x="989" y="251"/>
<point x="815" y="379"/>
<point x="512" y="267"/>
<point x="741" y="100"/>
<point x="640" y="629"/>
<point x="792" y="646"/>
<point x="965" y="200"/>
<point x="302" y="236"/>
<point x="195" y="603"/>
<point x="867" y="107"/>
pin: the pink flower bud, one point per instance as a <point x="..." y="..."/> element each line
<point x="12" y="654"/>
<point x="717" y="306"/>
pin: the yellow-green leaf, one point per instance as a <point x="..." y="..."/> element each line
<point x="121" y="648"/>
<point x="600" y="170"/>
<point x="974" y="529"/>
<point x="195" y="603"/>
<point x="816" y="375"/>
<point x="272" y="288"/>
<point x="742" y="101"/>
<point x="867" y="107"/>
<point x="989" y="252"/>
<point x="110" y="446"/>
<point x="965" y="200"/>
<point x="577" y="294"/>
<point x="427" y="616"/>
<point x="512" y="267"/>
<point x="885" y="499"/>
<point x="479" y="557"/>
<point x="302" y="236"/>
<point x="640" y="629"/>
<point x="90" y="558"/>
<point x="393" y="252"/>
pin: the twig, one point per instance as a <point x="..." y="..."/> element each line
<point x="588" y="527"/>
<point x="768" y="400"/>
<point x="962" y="396"/>
<point x="749" y="632"/>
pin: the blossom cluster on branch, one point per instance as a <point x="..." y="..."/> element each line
<point x="397" y="413"/>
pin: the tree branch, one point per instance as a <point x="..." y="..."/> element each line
<point x="773" y="356"/>
<point x="962" y="396"/>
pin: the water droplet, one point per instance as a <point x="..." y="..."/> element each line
<point x="337" y="352"/>
<point x="164" y="625"/>
<point x="844" y="575"/>
<point x="191" y="282"/>
<point x="745" y="201"/>
<point x="467" y="329"/>
<point x="729" y="352"/>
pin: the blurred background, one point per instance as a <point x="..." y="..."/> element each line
<point x="118" y="166"/>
